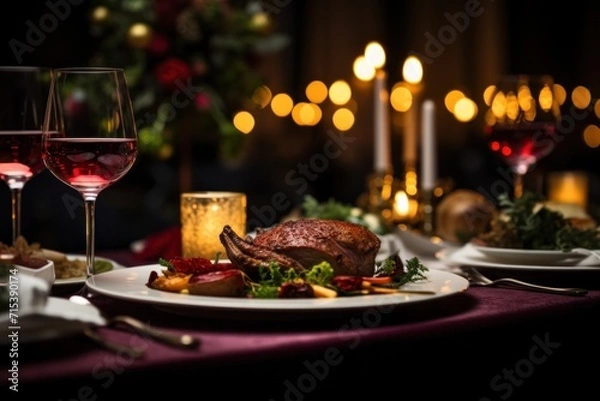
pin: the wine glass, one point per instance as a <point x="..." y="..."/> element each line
<point x="23" y="95"/>
<point x="521" y="122"/>
<point x="89" y="136"/>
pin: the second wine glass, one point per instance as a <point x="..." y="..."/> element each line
<point x="23" y="95"/>
<point x="521" y="122"/>
<point x="89" y="136"/>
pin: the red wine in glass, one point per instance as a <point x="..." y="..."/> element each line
<point x="23" y="95"/>
<point x="521" y="122"/>
<point x="20" y="156"/>
<point x="89" y="136"/>
<point x="522" y="145"/>
<point x="90" y="164"/>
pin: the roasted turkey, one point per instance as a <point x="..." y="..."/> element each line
<point x="349" y="248"/>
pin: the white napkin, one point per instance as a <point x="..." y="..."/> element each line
<point x="33" y="315"/>
<point x="26" y="294"/>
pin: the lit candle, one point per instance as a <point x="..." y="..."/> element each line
<point x="568" y="187"/>
<point x="382" y="157"/>
<point x="412" y="72"/>
<point x="428" y="146"/>
<point x="203" y="216"/>
<point x="405" y="208"/>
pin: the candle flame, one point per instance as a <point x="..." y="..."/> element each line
<point x="375" y="54"/>
<point x="401" y="204"/>
<point x="412" y="70"/>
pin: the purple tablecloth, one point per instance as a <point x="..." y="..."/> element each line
<point x="458" y="345"/>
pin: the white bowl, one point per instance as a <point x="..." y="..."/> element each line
<point x="45" y="272"/>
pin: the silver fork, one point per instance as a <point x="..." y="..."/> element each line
<point x="476" y="278"/>
<point x="174" y="340"/>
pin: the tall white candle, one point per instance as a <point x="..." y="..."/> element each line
<point x="381" y="126"/>
<point x="428" y="146"/>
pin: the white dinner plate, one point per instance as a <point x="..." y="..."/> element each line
<point x="469" y="255"/>
<point x="81" y="280"/>
<point x="529" y="256"/>
<point x="130" y="284"/>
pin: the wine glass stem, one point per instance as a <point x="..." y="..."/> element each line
<point x="90" y="235"/>
<point x="518" y="185"/>
<point x="16" y="212"/>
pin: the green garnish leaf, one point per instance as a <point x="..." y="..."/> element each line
<point x="101" y="266"/>
<point x="320" y="274"/>
<point x="167" y="264"/>
<point x="270" y="279"/>
<point x="415" y="271"/>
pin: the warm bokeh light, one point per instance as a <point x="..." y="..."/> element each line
<point x="301" y="113"/>
<point x="244" y="122"/>
<point x="316" y="92"/>
<point x="343" y="119"/>
<point x="451" y="98"/>
<point x="306" y="114"/>
<point x="401" y="203"/>
<point x="581" y="97"/>
<point x="282" y="104"/>
<point x="363" y="70"/>
<point x="512" y="106"/>
<point x="546" y="98"/>
<point x="139" y="35"/>
<point x="488" y="93"/>
<point x="100" y="13"/>
<point x="524" y="98"/>
<point x="401" y="98"/>
<point x="498" y="105"/>
<point x="340" y="92"/>
<point x="317" y="114"/>
<point x="560" y="93"/>
<point x="591" y="136"/>
<point x="597" y="108"/>
<point x="465" y="110"/>
<point x="412" y="70"/>
<point x="410" y="183"/>
<point x="262" y="96"/>
<point x="375" y="55"/>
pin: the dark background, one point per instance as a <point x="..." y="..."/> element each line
<point x="326" y="36"/>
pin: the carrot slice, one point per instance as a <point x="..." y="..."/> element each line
<point x="378" y="280"/>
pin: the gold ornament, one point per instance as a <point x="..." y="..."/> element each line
<point x="100" y="14"/>
<point x="462" y="215"/>
<point x="139" y="35"/>
<point x="261" y="22"/>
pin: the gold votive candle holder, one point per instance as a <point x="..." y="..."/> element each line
<point x="203" y="216"/>
<point x="568" y="187"/>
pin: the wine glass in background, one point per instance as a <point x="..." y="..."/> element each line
<point x="89" y="136"/>
<point x="23" y="96"/>
<point x="521" y="122"/>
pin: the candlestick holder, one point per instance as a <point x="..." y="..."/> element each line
<point x="380" y="195"/>
<point x="427" y="212"/>
<point x="406" y="202"/>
